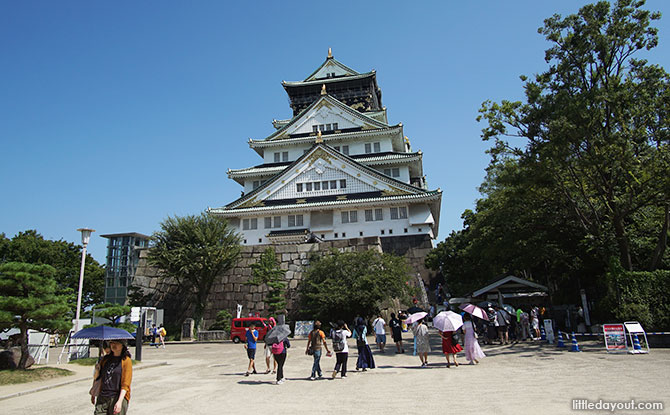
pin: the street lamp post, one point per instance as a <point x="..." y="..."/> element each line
<point x="85" y="237"/>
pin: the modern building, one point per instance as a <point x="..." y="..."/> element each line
<point x="336" y="170"/>
<point x="122" y="259"/>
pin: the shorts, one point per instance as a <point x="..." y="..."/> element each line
<point x="251" y="353"/>
<point x="268" y="352"/>
<point x="380" y="338"/>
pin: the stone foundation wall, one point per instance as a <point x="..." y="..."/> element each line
<point x="232" y="288"/>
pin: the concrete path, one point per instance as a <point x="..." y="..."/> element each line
<point x="517" y="379"/>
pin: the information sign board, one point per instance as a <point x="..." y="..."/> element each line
<point x="615" y="337"/>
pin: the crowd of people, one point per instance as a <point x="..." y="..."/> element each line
<point x="318" y="340"/>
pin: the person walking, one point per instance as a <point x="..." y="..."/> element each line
<point x="268" y="352"/>
<point x="380" y="332"/>
<point x="365" y="360"/>
<point x="341" y="348"/>
<point x="315" y="343"/>
<point x="115" y="376"/>
<point x="154" y="334"/>
<point x="396" y="333"/>
<point x="473" y="352"/>
<point x="535" y="322"/>
<point x="449" y="348"/>
<point x="161" y="334"/>
<point x="279" y="353"/>
<point x="422" y="341"/>
<point x="250" y="345"/>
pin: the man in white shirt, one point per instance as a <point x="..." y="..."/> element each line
<point x="380" y="332"/>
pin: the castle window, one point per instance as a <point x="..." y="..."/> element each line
<point x="284" y="156"/>
<point x="343" y="184"/>
<point x="379" y="214"/>
<point x="395" y="172"/>
<point x="390" y="231"/>
<point x="324" y="185"/>
<point x="317" y="185"/>
<point x="368" y="215"/>
<point x="277" y="157"/>
<point x="368" y="148"/>
<point x="349" y="216"/>
<point x="315" y="128"/>
<point x="256" y="184"/>
<point x="308" y="187"/>
<point x="345" y="149"/>
<point x="333" y="184"/>
<point x="294" y="220"/>
<point x="335" y="126"/>
<point x="248" y="224"/>
<point x="337" y="148"/>
<point x="298" y="187"/>
<point x="377" y="147"/>
<point x="382" y="231"/>
<point x="399" y="213"/>
<point x="277" y="222"/>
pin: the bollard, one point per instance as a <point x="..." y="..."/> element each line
<point x="543" y="334"/>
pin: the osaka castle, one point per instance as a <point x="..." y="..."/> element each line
<point x="336" y="170"/>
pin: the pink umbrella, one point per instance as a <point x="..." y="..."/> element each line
<point x="475" y="311"/>
<point x="413" y="318"/>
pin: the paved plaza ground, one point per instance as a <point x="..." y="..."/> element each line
<point x="525" y="378"/>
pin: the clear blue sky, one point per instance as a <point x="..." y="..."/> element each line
<point x="114" y="115"/>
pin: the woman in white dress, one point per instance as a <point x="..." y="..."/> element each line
<point x="472" y="350"/>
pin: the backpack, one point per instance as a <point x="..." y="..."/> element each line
<point x="277" y="348"/>
<point x="316" y="340"/>
<point x="338" y="341"/>
<point x="163" y="332"/>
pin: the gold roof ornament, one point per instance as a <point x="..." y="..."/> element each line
<point x="323" y="89"/>
<point x="319" y="139"/>
<point x="330" y="53"/>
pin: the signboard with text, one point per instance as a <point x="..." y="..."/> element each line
<point x="615" y="337"/>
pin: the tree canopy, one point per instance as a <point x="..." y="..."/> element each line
<point x="578" y="180"/>
<point x="596" y="123"/>
<point x="343" y="285"/>
<point x="29" y="301"/>
<point x="194" y="250"/>
<point x="31" y="247"/>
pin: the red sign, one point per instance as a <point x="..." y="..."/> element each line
<point x="615" y="337"/>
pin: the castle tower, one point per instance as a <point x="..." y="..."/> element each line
<point x="336" y="170"/>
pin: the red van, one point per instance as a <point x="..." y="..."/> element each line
<point x="239" y="326"/>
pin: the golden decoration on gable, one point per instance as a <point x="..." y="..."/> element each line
<point x="341" y="197"/>
<point x="319" y="153"/>
<point x="394" y="191"/>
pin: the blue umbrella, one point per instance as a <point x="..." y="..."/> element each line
<point x="103" y="333"/>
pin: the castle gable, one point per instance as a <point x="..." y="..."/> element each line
<point x="326" y="114"/>
<point x="323" y="173"/>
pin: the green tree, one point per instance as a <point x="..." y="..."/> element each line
<point x="222" y="322"/>
<point x="113" y="312"/>
<point x="30" y="247"/>
<point x="194" y="251"/>
<point x="342" y="285"/>
<point x="266" y="271"/>
<point x="597" y="123"/>
<point x="29" y="301"/>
